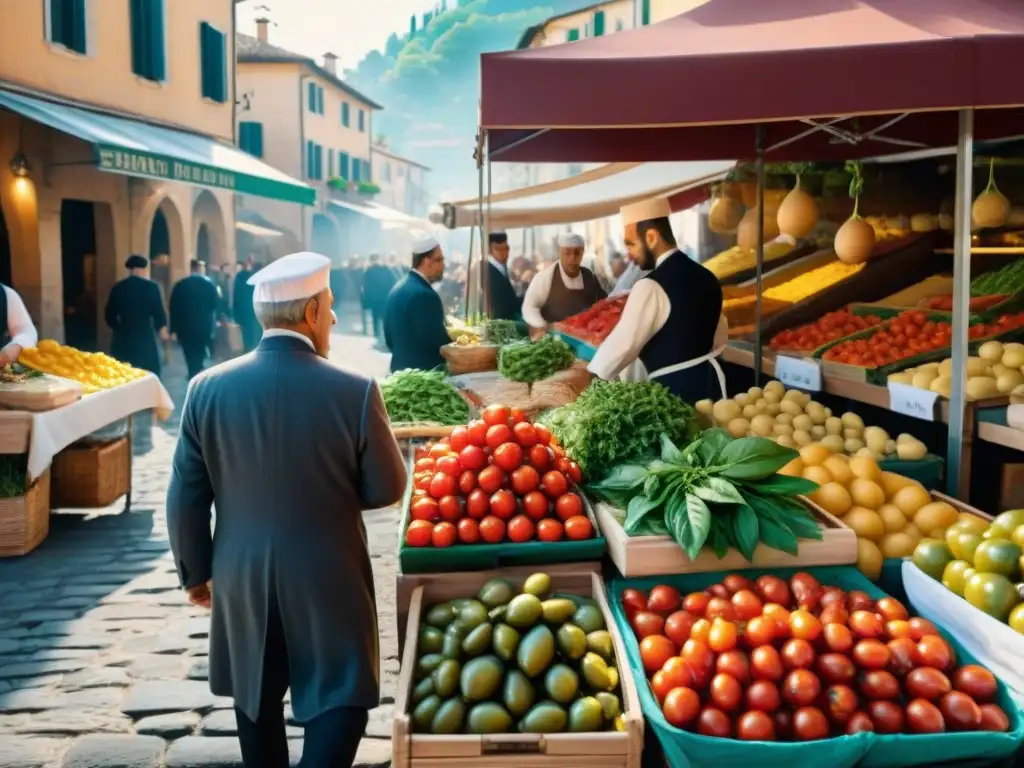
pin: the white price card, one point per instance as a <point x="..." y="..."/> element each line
<point x="799" y="373"/>
<point x="912" y="401"/>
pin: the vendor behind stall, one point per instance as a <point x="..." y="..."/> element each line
<point x="672" y="323"/>
<point x="563" y="289"/>
<point x="17" y="331"/>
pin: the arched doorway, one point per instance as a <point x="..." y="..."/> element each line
<point x="5" y="253"/>
<point x="78" y="238"/>
<point x="166" y="246"/>
<point x="209" y="235"/>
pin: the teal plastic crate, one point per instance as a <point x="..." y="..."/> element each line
<point x="489" y="557"/>
<point x="928" y="471"/>
<point x="583" y="350"/>
<point x="683" y="749"/>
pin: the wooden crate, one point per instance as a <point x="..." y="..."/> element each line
<point x="618" y="749"/>
<point x="656" y="555"/>
<point x="92" y="475"/>
<point x="25" y="520"/>
<point x="406" y="584"/>
<point x="960" y="506"/>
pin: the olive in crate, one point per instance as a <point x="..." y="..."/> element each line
<point x="506" y="661"/>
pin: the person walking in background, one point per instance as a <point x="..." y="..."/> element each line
<point x="414" y="328"/>
<point x="194" y="304"/>
<point x="377" y="284"/>
<point x="241" y="308"/>
<point x="135" y="315"/>
<point x="222" y="278"/>
<point x="289" y="582"/>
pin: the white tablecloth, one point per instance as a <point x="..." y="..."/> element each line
<point x="53" y="431"/>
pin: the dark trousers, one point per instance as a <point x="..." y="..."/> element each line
<point x="195" y="355"/>
<point x="330" y="740"/>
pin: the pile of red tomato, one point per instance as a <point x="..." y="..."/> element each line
<point x="496" y="479"/>
<point x="768" y="660"/>
<point x="1002" y="324"/>
<point x="596" y="323"/>
<point x="906" y="335"/>
<point x="828" y="327"/>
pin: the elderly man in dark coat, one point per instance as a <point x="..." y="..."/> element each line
<point x="291" y="467"/>
<point x="414" y="327"/>
<point x="193" y="308"/>
<point x="135" y="314"/>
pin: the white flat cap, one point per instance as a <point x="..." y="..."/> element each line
<point x="292" y="277"/>
<point x="570" y="240"/>
<point x="424" y="244"/>
<point x="657" y="208"/>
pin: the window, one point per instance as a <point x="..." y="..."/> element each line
<point x="149" y="54"/>
<point x="619" y="26"/>
<point x="330" y="163"/>
<point x="315" y="99"/>
<point x="250" y="138"/>
<point x="356" y="170"/>
<point x="598" y="23"/>
<point x="67" y="24"/>
<point x="645" y="12"/>
<point x="213" y="57"/>
<point x="401" y="171"/>
<point x="366" y="169"/>
<point x="343" y="166"/>
<point x="362" y="120"/>
<point x="314" y="161"/>
<point x="346" y="118"/>
<point x="385" y="172"/>
<point x="573" y="36"/>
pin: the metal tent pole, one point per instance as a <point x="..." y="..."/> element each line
<point x="469" y="272"/>
<point x="759" y="165"/>
<point x="961" y="299"/>
<point x="485" y="232"/>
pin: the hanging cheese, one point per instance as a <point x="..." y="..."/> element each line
<point x="798" y="213"/>
<point x="725" y="215"/>
<point x="746" y="233"/>
<point x="854" y="241"/>
<point x="991" y="207"/>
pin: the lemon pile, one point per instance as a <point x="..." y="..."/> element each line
<point x="94" y="371"/>
<point x="890" y="513"/>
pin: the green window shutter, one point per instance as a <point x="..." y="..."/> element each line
<point x="343" y="167"/>
<point x="346" y="118"/>
<point x="645" y="12"/>
<point x="362" y="121"/>
<point x="319" y="162"/>
<point x="68" y="24"/>
<point x="148" y="50"/>
<point x="311" y="97"/>
<point x="574" y="35"/>
<point x="213" y="57"/>
<point x="355" y="169"/>
<point x="598" y="23"/>
<point x="330" y="163"/>
<point x="309" y="159"/>
<point x="369" y="171"/>
<point x="320" y="100"/>
<point x="257" y="129"/>
<point x="250" y="138"/>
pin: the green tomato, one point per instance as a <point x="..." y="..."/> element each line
<point x="991" y="593"/>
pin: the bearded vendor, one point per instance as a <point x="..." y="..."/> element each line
<point x="672" y="328"/>
<point x="563" y="289"/>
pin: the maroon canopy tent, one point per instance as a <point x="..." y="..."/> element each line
<point x="695" y="86"/>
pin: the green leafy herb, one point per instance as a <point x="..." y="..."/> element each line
<point x="413" y="396"/>
<point x="527" y="361"/>
<point x="716" y="492"/>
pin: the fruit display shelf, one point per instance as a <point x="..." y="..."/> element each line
<point x="604" y="749"/>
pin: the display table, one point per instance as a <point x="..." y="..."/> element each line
<point x="43" y="435"/>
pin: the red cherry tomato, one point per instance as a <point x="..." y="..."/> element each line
<point x="508" y="456"/>
<point x="451" y="508"/>
<point x="469" y="531"/>
<point x="524" y="480"/>
<point x="569" y="505"/>
<point x="503" y="504"/>
<point x="525" y="434"/>
<point x="554" y="484"/>
<point x="496" y="414"/>
<point x="444" y="535"/>
<point x="498" y="434"/>
<point x="418" y="533"/>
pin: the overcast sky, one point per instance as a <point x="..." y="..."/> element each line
<point x="347" y="28"/>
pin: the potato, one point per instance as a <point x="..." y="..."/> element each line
<point x="1009" y="381"/>
<point x="980" y="387"/>
<point x="774" y="388"/>
<point x="741" y="399"/>
<point x="853" y="444"/>
<point x="705" y="406"/>
<point x="782" y="429"/>
<point x="943" y="385"/>
<point x="762" y="425"/>
<point x="834" y="425"/>
<point x="999" y="369"/>
<point x="771" y="397"/>
<point x="791" y="407"/>
<point x="946" y="367"/>
<point x="911" y="450"/>
<point x="803" y="422"/>
<point x="834" y="443"/>
<point x="817" y="415"/>
<point x="785" y="440"/>
<point x="923" y="379"/>
<point x="978" y="367"/>
<point x="1013" y="355"/>
<point x="853" y="434"/>
<point x="890" y="447"/>
<point x="875" y="438"/>
<point x="818" y="432"/>
<point x="852" y="421"/>
<point x="801" y="437"/>
<point x="784" y="418"/>
<point x="772" y="409"/>
<point x="725" y="411"/>
<point x="991" y="351"/>
<point x="903" y="377"/>
<point x="749" y="411"/>
<point x="738" y="427"/>
<point x="904" y="437"/>
<point x="755" y="392"/>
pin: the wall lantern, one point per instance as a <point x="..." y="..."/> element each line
<point x="20" y="165"/>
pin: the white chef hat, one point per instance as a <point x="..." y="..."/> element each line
<point x="570" y="240"/>
<point x="646" y="210"/>
<point x="424" y="244"/>
<point x="292" y="277"/>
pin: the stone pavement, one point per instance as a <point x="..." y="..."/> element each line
<point x="103" y="664"/>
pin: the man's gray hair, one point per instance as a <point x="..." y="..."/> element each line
<point x="281" y="313"/>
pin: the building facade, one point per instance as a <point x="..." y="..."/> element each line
<point x="116" y="137"/>
<point x="402" y="182"/>
<point x="300" y="117"/>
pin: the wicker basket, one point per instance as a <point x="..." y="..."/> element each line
<point x="474" y="359"/>
<point x="25" y="520"/>
<point x="91" y="475"/>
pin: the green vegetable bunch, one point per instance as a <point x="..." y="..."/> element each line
<point x="501" y="331"/>
<point x="613" y="422"/>
<point x="717" y="491"/>
<point x="534" y="361"/>
<point x="413" y="396"/>
<point x="1008" y="280"/>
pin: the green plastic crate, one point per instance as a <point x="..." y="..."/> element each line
<point x="683" y="749"/>
<point x="928" y="471"/>
<point x="489" y="557"/>
<point x="583" y="350"/>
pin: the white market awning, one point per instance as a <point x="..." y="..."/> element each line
<point x="388" y="217"/>
<point x="256" y="230"/>
<point x="590" y="195"/>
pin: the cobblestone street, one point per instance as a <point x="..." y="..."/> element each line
<point x="103" y="662"/>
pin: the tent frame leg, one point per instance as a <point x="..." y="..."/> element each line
<point x="759" y="165"/>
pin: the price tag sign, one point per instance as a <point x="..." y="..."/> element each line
<point x="798" y="373"/>
<point x="912" y="401"/>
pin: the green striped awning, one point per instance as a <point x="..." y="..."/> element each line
<point x="134" y="148"/>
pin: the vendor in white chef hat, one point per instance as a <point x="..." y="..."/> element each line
<point x="672" y="324"/>
<point x="563" y="289"/>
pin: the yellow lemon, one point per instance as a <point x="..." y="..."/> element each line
<point x="839" y="466"/>
<point x="865" y="467"/>
<point x="866" y="523"/>
<point x="834" y="498"/>
<point x="911" y="499"/>
<point x="867" y="493"/>
<point x="897" y="545"/>
<point x="818" y="475"/>
<point x="892" y="517"/>
<point x="869" y="559"/>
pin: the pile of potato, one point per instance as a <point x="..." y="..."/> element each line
<point x="997" y="370"/>
<point x="792" y="418"/>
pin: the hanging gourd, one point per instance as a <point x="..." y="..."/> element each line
<point x="991" y="207"/>
<point x="856" y="238"/>
<point x="798" y="212"/>
<point x="746" y="233"/>
<point x="726" y="212"/>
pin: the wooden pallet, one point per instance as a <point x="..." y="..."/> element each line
<point x="655" y="555"/>
<point x="609" y="749"/>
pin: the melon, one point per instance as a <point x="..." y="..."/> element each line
<point x="746" y="233"/>
<point x="854" y="241"/>
<point x="797" y="214"/>
<point x="725" y="214"/>
<point x="990" y="208"/>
